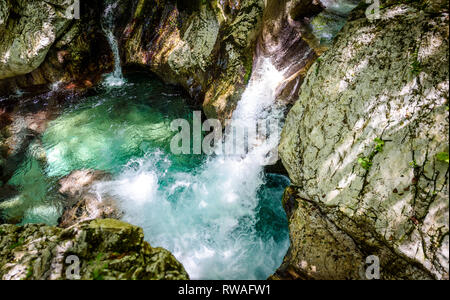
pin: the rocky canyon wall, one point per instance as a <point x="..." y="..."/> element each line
<point x="366" y="148"/>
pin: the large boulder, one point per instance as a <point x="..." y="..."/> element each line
<point x="366" y="147"/>
<point x="40" y="44"/>
<point x="43" y="23"/>
<point x="103" y="249"/>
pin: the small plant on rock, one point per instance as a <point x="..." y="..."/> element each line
<point x="367" y="161"/>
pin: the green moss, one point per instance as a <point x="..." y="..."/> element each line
<point x="97" y="274"/>
<point x="365" y="163"/>
<point x="17" y="244"/>
<point x="379" y="146"/>
<point x="29" y="272"/>
<point x="443" y="157"/>
<point x="248" y="68"/>
<point x="139" y="8"/>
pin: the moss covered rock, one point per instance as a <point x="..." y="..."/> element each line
<point x="103" y="249"/>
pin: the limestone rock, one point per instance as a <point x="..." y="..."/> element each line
<point x="366" y="144"/>
<point x="105" y="250"/>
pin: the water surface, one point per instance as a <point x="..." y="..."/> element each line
<point x="221" y="217"/>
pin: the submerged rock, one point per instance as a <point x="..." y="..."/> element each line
<point x="209" y="48"/>
<point x="366" y="147"/>
<point x="20" y="131"/>
<point x="103" y="250"/>
<point x="81" y="203"/>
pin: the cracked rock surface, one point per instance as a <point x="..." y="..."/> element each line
<point x="363" y="147"/>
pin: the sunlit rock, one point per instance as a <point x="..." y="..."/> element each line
<point x="366" y="143"/>
<point x="96" y="250"/>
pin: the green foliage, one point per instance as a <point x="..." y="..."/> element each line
<point x="29" y="272"/>
<point x="319" y="61"/>
<point x="442" y="157"/>
<point x="367" y="162"/>
<point x="97" y="273"/>
<point x="413" y="164"/>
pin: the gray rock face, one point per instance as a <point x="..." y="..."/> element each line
<point x="104" y="250"/>
<point x="40" y="45"/>
<point x="367" y="145"/>
<point x="43" y="22"/>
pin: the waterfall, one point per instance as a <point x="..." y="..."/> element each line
<point x="116" y="77"/>
<point x="258" y="106"/>
<point x="211" y="218"/>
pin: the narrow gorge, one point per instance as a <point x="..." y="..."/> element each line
<point x="326" y="120"/>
